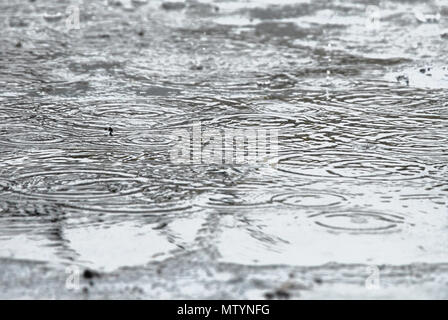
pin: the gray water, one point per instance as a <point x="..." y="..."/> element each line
<point x="361" y="172"/>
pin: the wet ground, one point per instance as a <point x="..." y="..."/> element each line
<point x="357" y="90"/>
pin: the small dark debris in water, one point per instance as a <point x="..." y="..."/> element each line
<point x="444" y="35"/>
<point x="85" y="290"/>
<point x="403" y="78"/>
<point x="160" y="226"/>
<point x="173" y="5"/>
<point x="19" y="44"/>
<point x="318" y="280"/>
<point x="110" y="130"/>
<point x="282" y="294"/>
<point x="216" y="9"/>
<point x="90" y="274"/>
<point x="91" y="283"/>
<point x="277" y="294"/>
<point x="197" y="67"/>
<point x="269" y="295"/>
<point x="141" y="33"/>
<point x="426" y="71"/>
<point x="113" y="188"/>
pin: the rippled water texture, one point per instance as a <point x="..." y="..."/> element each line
<point x="361" y="174"/>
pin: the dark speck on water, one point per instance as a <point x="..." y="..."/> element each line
<point x="90" y="274"/>
<point x="351" y="95"/>
<point x="318" y="280"/>
<point x="277" y="294"/>
<point x="110" y="129"/>
<point x="282" y="294"/>
<point x="160" y="226"/>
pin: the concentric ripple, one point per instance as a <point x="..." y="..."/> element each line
<point x="126" y="116"/>
<point x="77" y="184"/>
<point x="126" y="209"/>
<point x="133" y="115"/>
<point x="359" y="166"/>
<point x="236" y="200"/>
<point x="358" y="221"/>
<point x="12" y="115"/>
<point x="421" y="143"/>
<point x="148" y="139"/>
<point x="32" y="138"/>
<point x="252" y="121"/>
<point x="309" y="199"/>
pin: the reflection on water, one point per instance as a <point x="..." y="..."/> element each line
<point x="362" y="112"/>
